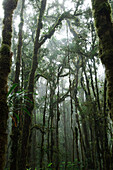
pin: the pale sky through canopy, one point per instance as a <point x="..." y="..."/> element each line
<point x="1" y="8"/>
<point x="87" y="3"/>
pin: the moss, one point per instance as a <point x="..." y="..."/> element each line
<point x="7" y="35"/>
<point x="5" y="59"/>
<point x="107" y="57"/>
<point x="102" y="13"/>
<point x="5" y="49"/>
<point x="5" y="63"/>
<point x="109" y="76"/>
<point x="102" y="7"/>
<point x="103" y="23"/>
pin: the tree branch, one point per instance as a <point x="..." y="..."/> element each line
<point x="65" y="15"/>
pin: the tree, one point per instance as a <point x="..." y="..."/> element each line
<point x="61" y="115"/>
<point x="5" y="64"/>
<point x="103" y="23"/>
<point x="104" y="27"/>
<point x="39" y="41"/>
<point x="15" y="129"/>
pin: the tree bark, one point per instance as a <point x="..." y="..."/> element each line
<point x="57" y="124"/>
<point x="43" y="137"/>
<point x="103" y="23"/>
<point x="27" y="118"/>
<point x="5" y="64"/>
<point x="15" y="129"/>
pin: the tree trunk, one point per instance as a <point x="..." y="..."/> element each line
<point x="42" y="142"/>
<point x="29" y="106"/>
<point x="5" y="64"/>
<point x="34" y="145"/>
<point x="15" y="129"/>
<point x="57" y="127"/>
<point x="65" y="134"/>
<point x="103" y="23"/>
<point x="52" y="123"/>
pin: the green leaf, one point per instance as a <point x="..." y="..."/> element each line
<point x="21" y="92"/>
<point x="63" y="162"/>
<point x="35" y="93"/>
<point x="28" y="99"/>
<point x="49" y="164"/>
<point x="25" y="110"/>
<point x="11" y="89"/>
<point x="16" y="116"/>
<point x="68" y="162"/>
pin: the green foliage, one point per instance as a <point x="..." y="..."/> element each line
<point x="26" y="111"/>
<point x="70" y="165"/>
<point x="11" y="89"/>
<point x="49" y="165"/>
<point x="18" y="96"/>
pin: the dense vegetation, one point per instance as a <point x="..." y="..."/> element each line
<point x="57" y="112"/>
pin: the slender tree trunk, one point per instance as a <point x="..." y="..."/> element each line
<point x="34" y="145"/>
<point x="96" y="85"/>
<point x="77" y="146"/>
<point x="51" y="125"/>
<point x="42" y="142"/>
<point x="48" y="141"/>
<point x="27" y="118"/>
<point x="107" y="154"/>
<point x="82" y="145"/>
<point x="15" y="129"/>
<point x="92" y="83"/>
<point x="5" y="64"/>
<point x="57" y="127"/>
<point x="65" y="134"/>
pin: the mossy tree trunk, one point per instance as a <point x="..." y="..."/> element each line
<point x="104" y="27"/>
<point x="5" y="64"/>
<point x="103" y="23"/>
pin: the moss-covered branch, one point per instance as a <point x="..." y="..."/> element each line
<point x="38" y="127"/>
<point x="65" y="15"/>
